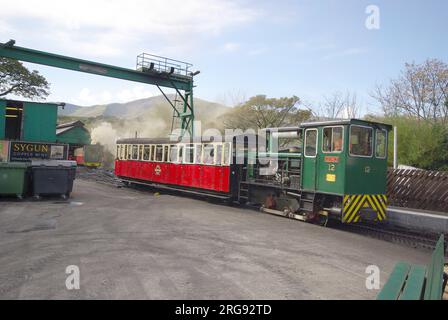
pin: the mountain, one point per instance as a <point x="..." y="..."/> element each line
<point x="138" y="108"/>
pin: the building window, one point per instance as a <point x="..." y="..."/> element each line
<point x="361" y="141"/>
<point x="310" y="142"/>
<point x="333" y="139"/>
<point x="381" y="144"/>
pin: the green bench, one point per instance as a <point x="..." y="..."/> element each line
<point x="414" y="282"/>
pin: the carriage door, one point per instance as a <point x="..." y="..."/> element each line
<point x="309" y="160"/>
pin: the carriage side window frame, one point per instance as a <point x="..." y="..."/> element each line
<point x="227" y="151"/>
<point x="208" y="146"/>
<point x="129" y="152"/>
<point x="153" y="152"/>
<point x="173" y="158"/>
<point x="306" y="142"/>
<point x="385" y="143"/>
<point x="189" y="150"/>
<point x="198" y="153"/>
<point x="166" y="153"/>
<point x="219" y="155"/>
<point x="371" y="142"/>
<point x="180" y="153"/>
<point x="140" y="152"/>
<point x="146" y="152"/>
<point x="332" y="138"/>
<point x="158" y="156"/>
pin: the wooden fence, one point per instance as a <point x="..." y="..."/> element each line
<point x="419" y="189"/>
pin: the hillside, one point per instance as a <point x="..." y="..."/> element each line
<point x="137" y="108"/>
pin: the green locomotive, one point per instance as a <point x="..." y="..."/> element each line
<point x="320" y="170"/>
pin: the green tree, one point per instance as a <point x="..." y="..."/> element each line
<point x="262" y="112"/>
<point x="16" y="79"/>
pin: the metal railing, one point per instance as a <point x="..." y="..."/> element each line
<point x="152" y="63"/>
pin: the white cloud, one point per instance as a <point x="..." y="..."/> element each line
<point x="87" y="98"/>
<point x="231" y="46"/>
<point x="110" y="27"/>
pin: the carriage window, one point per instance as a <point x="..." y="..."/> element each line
<point x="209" y="154"/>
<point x="128" y="152"/>
<point x="117" y="156"/>
<point x="381" y="144"/>
<point x="227" y="154"/>
<point x="146" y="152"/>
<point x="332" y="139"/>
<point x="159" y="153"/>
<point x="134" y="152"/>
<point x="181" y="152"/>
<point x="198" y="153"/>
<point x="361" y="141"/>
<point x="173" y="153"/>
<point x="189" y="153"/>
<point x="140" y="152"/>
<point x="166" y="151"/>
<point x="153" y="153"/>
<point x="218" y="154"/>
<point x="310" y="143"/>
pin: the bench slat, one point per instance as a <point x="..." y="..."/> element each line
<point x="434" y="279"/>
<point x="392" y="288"/>
<point x="413" y="289"/>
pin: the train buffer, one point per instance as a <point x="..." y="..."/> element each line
<point x="415" y="282"/>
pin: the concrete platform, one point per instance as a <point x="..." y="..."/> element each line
<point x="418" y="219"/>
<point x="132" y="244"/>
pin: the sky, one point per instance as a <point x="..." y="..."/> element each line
<point x="307" y="48"/>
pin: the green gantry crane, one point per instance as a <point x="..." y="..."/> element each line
<point x="150" y="69"/>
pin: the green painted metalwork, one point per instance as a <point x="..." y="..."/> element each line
<point x="160" y="79"/>
<point x="392" y="288"/>
<point x="2" y="118"/>
<point x="414" y="284"/>
<point x="39" y="122"/>
<point x="434" y="278"/>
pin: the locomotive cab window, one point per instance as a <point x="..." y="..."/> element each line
<point x="310" y="143"/>
<point x="361" y="141"/>
<point x="381" y="144"/>
<point x="333" y="139"/>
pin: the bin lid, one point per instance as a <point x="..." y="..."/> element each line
<point x="52" y="163"/>
<point x="13" y="165"/>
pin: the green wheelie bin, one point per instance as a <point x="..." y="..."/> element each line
<point x="13" y="178"/>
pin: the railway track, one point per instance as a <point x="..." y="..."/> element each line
<point x="411" y="238"/>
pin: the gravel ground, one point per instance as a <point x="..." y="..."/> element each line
<point x="131" y="244"/>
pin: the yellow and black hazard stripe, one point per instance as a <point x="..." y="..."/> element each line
<point x="354" y="203"/>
